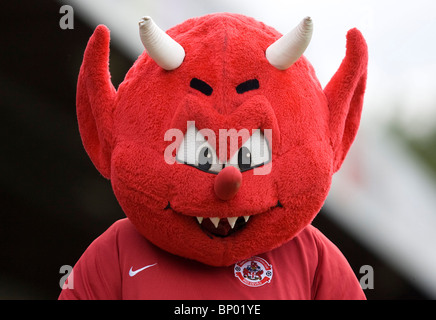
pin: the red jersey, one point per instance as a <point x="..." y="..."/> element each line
<point x="122" y="264"/>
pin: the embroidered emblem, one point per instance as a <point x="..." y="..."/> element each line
<point x="254" y="272"/>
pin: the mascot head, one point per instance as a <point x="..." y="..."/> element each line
<point x="220" y="143"/>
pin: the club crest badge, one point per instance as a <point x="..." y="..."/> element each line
<point x="254" y="272"/>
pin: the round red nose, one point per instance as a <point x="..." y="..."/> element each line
<point x="227" y="183"/>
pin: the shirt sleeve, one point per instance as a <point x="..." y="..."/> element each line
<point x="96" y="275"/>
<point x="334" y="278"/>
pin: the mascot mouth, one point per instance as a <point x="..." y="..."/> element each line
<point x="222" y="227"/>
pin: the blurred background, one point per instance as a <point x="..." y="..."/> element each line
<point x="381" y="210"/>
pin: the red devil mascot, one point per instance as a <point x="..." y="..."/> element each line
<point x="220" y="145"/>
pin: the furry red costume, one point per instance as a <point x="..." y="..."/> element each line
<point x="218" y="72"/>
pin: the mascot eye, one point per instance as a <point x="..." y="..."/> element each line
<point x="196" y="151"/>
<point x="205" y="159"/>
<point x="254" y="153"/>
<point x="244" y="159"/>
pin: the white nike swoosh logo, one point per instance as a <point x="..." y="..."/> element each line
<point x="134" y="273"/>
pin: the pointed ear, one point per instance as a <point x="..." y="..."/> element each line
<point x="95" y="101"/>
<point x="345" y="93"/>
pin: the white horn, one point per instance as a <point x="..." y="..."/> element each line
<point x="285" y="51"/>
<point x="165" y="51"/>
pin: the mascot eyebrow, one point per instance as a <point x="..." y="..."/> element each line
<point x="248" y="85"/>
<point x="201" y="86"/>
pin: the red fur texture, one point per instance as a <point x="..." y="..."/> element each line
<point x="312" y="130"/>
